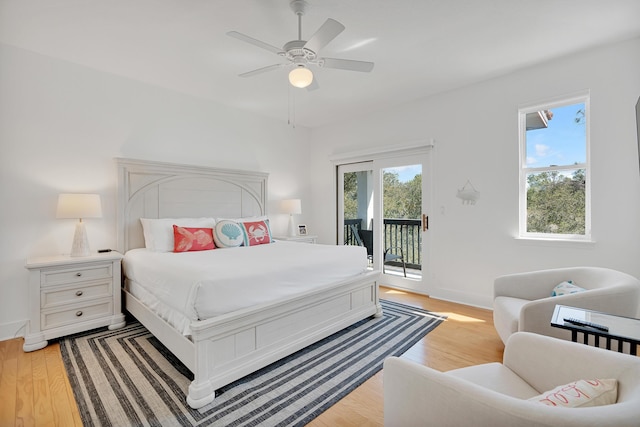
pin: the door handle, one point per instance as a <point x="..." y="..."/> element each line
<point x="425" y="222"/>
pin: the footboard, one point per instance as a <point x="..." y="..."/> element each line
<point x="231" y="346"/>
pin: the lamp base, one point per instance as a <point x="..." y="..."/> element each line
<point x="292" y="227"/>
<point x="80" y="245"/>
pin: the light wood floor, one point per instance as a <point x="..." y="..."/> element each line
<point x="35" y="391"/>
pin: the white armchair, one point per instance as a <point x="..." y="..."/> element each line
<point x="496" y="394"/>
<point x="523" y="302"/>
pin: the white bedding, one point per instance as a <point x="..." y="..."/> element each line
<point x="184" y="287"/>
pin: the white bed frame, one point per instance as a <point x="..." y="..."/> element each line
<point x="228" y="347"/>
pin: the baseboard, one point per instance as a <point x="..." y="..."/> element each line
<point x="465" y="298"/>
<point x="12" y="330"/>
<point x="401" y="287"/>
<point x="474" y="300"/>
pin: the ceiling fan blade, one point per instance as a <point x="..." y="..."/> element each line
<point x="260" y="70"/>
<point x="347" y="64"/>
<point x="255" y="42"/>
<point x="327" y="32"/>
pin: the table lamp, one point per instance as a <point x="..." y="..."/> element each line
<point x="79" y="206"/>
<point x="291" y="207"/>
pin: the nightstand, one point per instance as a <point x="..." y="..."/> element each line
<point x="300" y="239"/>
<point x="69" y="295"/>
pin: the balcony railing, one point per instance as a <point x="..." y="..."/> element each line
<point x="398" y="233"/>
<point x="349" y="238"/>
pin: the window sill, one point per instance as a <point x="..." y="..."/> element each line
<point x="556" y="243"/>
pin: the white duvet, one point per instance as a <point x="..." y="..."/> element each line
<point x="184" y="287"/>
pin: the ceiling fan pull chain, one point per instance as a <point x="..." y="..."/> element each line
<point x="291" y="120"/>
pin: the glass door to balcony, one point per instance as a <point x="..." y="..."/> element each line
<point x="382" y="206"/>
<point x="405" y="191"/>
<point x="402" y="221"/>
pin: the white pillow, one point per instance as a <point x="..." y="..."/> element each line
<point x="581" y="394"/>
<point x="158" y="233"/>
<point x="566" y="288"/>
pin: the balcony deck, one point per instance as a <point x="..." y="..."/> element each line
<point x="412" y="273"/>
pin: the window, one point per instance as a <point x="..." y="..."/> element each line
<point x="554" y="170"/>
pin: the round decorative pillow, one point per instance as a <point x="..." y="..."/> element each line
<point x="228" y="234"/>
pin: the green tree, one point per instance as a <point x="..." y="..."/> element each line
<point x="556" y="202"/>
<point x="402" y="199"/>
<point x="350" y="195"/>
<point x="393" y="202"/>
<point x="414" y="197"/>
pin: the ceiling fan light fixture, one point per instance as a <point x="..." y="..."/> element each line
<point x="300" y="77"/>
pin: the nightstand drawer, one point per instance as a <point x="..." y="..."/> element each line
<point x="54" y="319"/>
<point x="75" y="275"/>
<point x="51" y="297"/>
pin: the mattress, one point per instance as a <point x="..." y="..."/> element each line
<point x="185" y="287"/>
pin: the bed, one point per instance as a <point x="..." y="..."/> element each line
<point x="227" y="341"/>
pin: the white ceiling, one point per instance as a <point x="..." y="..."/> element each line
<point x="420" y="47"/>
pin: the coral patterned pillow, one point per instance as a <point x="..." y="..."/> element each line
<point x="158" y="233"/>
<point x="192" y="239"/>
<point x="256" y="232"/>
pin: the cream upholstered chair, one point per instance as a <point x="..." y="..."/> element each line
<point x="496" y="394"/>
<point x="523" y="302"/>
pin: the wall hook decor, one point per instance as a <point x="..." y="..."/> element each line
<point x="468" y="194"/>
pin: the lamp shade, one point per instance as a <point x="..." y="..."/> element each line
<point x="79" y="206"/>
<point x="300" y="77"/>
<point x="291" y="206"/>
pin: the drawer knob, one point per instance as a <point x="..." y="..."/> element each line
<point x="79" y="293"/>
<point x="79" y="274"/>
<point x="78" y="313"/>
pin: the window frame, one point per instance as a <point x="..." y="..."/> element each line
<point x="581" y="98"/>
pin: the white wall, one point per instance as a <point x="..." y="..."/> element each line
<point x="476" y="135"/>
<point x="61" y="126"/>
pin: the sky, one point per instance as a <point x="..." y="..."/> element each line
<point x="406" y="173"/>
<point x="563" y="142"/>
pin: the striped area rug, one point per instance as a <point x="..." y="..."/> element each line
<point x="127" y="377"/>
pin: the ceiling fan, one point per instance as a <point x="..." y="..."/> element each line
<point x="302" y="53"/>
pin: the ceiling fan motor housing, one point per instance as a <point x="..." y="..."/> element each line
<point x="295" y="50"/>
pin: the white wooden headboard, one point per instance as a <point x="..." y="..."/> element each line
<point x="163" y="190"/>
